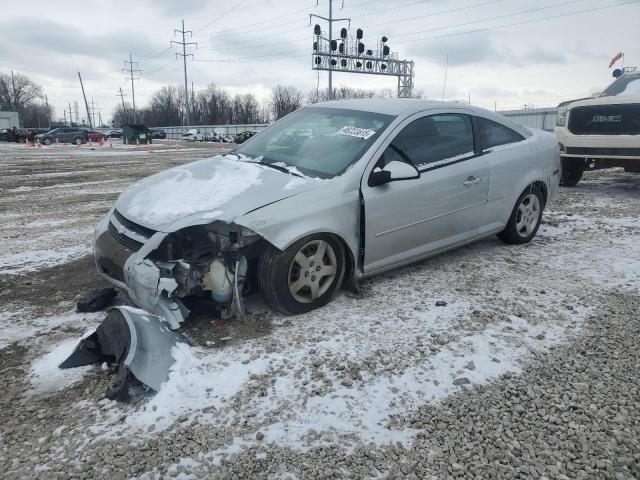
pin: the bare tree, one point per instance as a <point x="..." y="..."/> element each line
<point x="19" y="94"/>
<point x="285" y="100"/>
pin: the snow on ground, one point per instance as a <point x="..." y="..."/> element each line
<point x="356" y="369"/>
<point x="22" y="324"/>
<point x="45" y="376"/>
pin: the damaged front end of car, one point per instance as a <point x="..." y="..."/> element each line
<point x="158" y="271"/>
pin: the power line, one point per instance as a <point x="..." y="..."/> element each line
<point x="184" y="56"/>
<point x="219" y="17"/>
<point x="280" y="54"/>
<point x="132" y="78"/>
<point x="506" y="15"/>
<point x="524" y="22"/>
<point x="278" y="17"/>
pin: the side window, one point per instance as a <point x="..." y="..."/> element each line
<point x="493" y="134"/>
<point x="432" y="139"/>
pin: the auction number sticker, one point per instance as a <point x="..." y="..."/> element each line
<point x="363" y="133"/>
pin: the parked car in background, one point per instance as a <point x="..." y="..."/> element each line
<point x="244" y="136"/>
<point x="193" y="135"/>
<point x="114" y="133"/>
<point x="31" y="133"/>
<point x="217" y="136"/>
<point x="8" y="135"/>
<point x="374" y="184"/>
<point x="601" y="132"/>
<point x="96" y="136"/>
<point x="63" y="135"/>
<point x="158" y="133"/>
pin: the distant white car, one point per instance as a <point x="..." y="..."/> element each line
<point x="193" y="135"/>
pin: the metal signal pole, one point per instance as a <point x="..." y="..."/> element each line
<point x="131" y="71"/>
<point x="184" y="56"/>
<point x="330" y="20"/>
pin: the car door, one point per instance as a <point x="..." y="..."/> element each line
<point x="409" y="219"/>
<point x="509" y="156"/>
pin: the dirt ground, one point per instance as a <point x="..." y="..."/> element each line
<point x="530" y="370"/>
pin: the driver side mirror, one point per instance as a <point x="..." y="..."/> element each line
<point x="392" y="172"/>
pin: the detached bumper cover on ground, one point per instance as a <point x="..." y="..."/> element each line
<point x="138" y="342"/>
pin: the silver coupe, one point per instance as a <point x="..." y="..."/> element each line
<point x="330" y="194"/>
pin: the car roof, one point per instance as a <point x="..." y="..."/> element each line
<point x="389" y="106"/>
<point x="404" y="107"/>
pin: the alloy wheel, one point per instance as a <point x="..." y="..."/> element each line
<point x="528" y="215"/>
<point x="312" y="271"/>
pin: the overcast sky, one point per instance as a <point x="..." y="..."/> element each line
<point x="498" y="50"/>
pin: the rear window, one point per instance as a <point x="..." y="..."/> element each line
<point x="624" y="86"/>
<point x="493" y="134"/>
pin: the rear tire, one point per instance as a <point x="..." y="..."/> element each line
<point x="47" y="141"/>
<point x="305" y="276"/>
<point x="572" y="170"/>
<point x="78" y="141"/>
<point x="525" y="218"/>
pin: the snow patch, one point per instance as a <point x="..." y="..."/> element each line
<point x="46" y="376"/>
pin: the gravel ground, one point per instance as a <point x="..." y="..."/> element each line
<point x="530" y="370"/>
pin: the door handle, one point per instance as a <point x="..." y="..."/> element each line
<point x="471" y="180"/>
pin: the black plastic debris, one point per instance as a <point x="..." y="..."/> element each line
<point x="138" y="343"/>
<point x="97" y="300"/>
<point x="109" y="343"/>
<point x="441" y="303"/>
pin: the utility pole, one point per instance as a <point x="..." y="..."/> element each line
<point x="131" y="71"/>
<point x="93" y="113"/>
<point x="330" y="39"/>
<point x="184" y="56"/>
<point x="124" y="110"/>
<point x="100" y="119"/>
<point x="13" y="82"/>
<point x="446" y="70"/>
<point x="70" y="117"/>
<point x="85" y="101"/>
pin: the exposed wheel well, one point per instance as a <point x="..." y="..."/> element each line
<point x="543" y="188"/>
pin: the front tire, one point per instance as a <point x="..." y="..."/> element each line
<point x="78" y="141"/>
<point x="47" y="141"/>
<point x="572" y="170"/>
<point x="305" y="276"/>
<point x="525" y="218"/>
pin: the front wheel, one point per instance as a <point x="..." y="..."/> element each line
<point x="305" y="276"/>
<point x="78" y="141"/>
<point x="47" y="141"/>
<point x="525" y="218"/>
<point x="572" y="170"/>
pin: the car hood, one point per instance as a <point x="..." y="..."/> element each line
<point x="217" y="188"/>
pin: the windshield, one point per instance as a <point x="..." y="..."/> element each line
<point x="320" y="142"/>
<point x="624" y="86"/>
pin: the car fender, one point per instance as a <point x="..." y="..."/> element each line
<point x="316" y="211"/>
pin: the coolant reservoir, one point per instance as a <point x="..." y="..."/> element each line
<point x="218" y="280"/>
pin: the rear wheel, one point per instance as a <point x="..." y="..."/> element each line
<point x="47" y="141"/>
<point x="572" y="170"/>
<point x="77" y="141"/>
<point x="525" y="218"/>
<point x="307" y="275"/>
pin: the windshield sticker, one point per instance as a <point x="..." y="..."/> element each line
<point x="363" y="133"/>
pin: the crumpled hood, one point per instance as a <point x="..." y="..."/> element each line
<point x="216" y="188"/>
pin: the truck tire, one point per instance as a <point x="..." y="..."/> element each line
<point x="572" y="170"/>
<point x="305" y="276"/>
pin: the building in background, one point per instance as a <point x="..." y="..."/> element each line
<point x="9" y="120"/>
